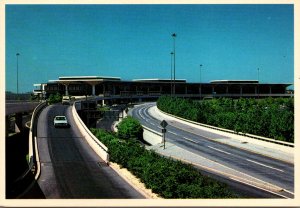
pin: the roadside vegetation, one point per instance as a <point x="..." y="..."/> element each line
<point x="166" y="177"/>
<point x="54" y="98"/>
<point x="270" y="117"/>
<point x="130" y="128"/>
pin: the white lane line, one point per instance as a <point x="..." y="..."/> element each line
<point x="139" y="112"/>
<point x="228" y="153"/>
<point x="190" y="140"/>
<point x="173" y="133"/>
<point x="264" y="165"/>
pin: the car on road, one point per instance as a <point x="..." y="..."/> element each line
<point x="60" y="121"/>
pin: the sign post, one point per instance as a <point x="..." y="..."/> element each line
<point x="164" y="124"/>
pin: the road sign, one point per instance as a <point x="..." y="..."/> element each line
<point x="164" y="124"/>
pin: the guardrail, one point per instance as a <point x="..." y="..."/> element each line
<point x="96" y="145"/>
<point x="233" y="132"/>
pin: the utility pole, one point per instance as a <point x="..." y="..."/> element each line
<point x="258" y="82"/>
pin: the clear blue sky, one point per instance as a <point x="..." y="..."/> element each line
<point x="134" y="41"/>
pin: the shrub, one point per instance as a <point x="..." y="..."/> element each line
<point x="130" y="128"/>
<point x="271" y="117"/>
<point x="166" y="177"/>
<point x="54" y="98"/>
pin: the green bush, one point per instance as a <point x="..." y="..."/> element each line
<point x="166" y="177"/>
<point x="270" y="117"/>
<point x="130" y="128"/>
<point x="54" y="98"/>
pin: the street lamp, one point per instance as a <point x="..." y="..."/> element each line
<point x="17" y="73"/>
<point x="200" y="82"/>
<point x="171" y="72"/>
<point x="174" y="36"/>
<point x="258" y="82"/>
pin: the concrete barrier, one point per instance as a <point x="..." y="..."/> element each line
<point x="24" y="183"/>
<point x="32" y="133"/>
<point x="151" y="136"/>
<point x="95" y="144"/>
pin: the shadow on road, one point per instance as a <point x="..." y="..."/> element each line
<point x="16" y="165"/>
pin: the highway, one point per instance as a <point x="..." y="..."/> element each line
<point x="12" y="107"/>
<point x="70" y="169"/>
<point x="261" y="167"/>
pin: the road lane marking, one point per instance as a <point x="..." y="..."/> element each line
<point x="140" y="114"/>
<point x="173" y="133"/>
<point x="190" y="140"/>
<point x="264" y="165"/>
<point x="228" y="153"/>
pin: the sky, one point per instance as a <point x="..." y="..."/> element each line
<point x="135" y="42"/>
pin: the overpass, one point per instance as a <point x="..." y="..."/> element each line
<point x="14" y="110"/>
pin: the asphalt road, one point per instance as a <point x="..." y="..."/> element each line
<point x="69" y="167"/>
<point x="261" y="167"/>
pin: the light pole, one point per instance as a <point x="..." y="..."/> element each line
<point x="171" y="72"/>
<point x="200" y="82"/>
<point x="174" y="36"/>
<point x="258" y="82"/>
<point x="17" y="73"/>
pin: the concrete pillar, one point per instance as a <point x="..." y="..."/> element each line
<point x="66" y="90"/>
<point x="103" y="103"/>
<point x="241" y="90"/>
<point x="270" y="90"/>
<point x="227" y="90"/>
<point x="7" y="126"/>
<point x="18" y="122"/>
<point x="93" y="90"/>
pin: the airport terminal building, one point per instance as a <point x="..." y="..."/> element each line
<point x="114" y="87"/>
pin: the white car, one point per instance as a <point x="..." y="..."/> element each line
<point x="60" y="121"/>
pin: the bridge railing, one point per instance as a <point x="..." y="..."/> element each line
<point x="96" y="145"/>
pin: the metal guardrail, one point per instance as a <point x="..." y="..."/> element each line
<point x="234" y="132"/>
